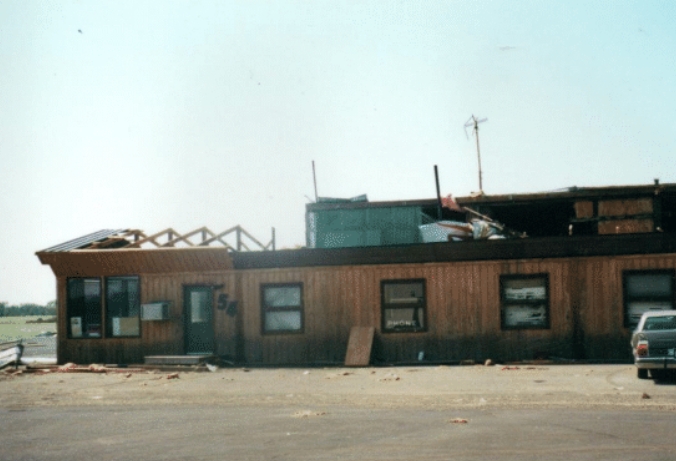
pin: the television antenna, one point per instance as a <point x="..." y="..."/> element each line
<point x="473" y="122"/>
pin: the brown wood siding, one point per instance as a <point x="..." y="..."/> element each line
<point x="93" y="263"/>
<point x="161" y="337"/>
<point x="463" y="311"/>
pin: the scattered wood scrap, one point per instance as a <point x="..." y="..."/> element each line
<point x="95" y="368"/>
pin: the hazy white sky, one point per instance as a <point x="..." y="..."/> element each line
<point x="164" y="114"/>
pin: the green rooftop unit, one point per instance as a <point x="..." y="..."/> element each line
<point x="332" y="223"/>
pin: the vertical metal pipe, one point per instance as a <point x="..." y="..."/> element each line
<point x="314" y="179"/>
<point x="478" y="154"/>
<point x="436" y="178"/>
<point x="274" y="245"/>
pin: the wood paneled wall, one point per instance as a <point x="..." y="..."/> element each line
<point x="462" y="310"/>
<point x="162" y="337"/>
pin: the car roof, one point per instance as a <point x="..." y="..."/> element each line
<point x="659" y="313"/>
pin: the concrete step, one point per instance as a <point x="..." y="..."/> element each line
<point x="176" y="359"/>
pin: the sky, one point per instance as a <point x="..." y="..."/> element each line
<point x="182" y="114"/>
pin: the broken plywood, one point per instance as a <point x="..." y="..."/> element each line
<point x="359" y="347"/>
<point x="626" y="226"/>
<point x="626" y="207"/>
<point x="584" y="209"/>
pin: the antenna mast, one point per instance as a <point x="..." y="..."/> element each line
<point x="473" y="122"/>
<point x="314" y="178"/>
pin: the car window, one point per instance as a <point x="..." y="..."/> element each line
<point x="660" y="323"/>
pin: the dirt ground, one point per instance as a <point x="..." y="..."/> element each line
<point x="315" y="389"/>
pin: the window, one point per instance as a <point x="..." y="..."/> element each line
<point x="282" y="308"/>
<point x="667" y="322"/>
<point x="122" y="307"/>
<point x="646" y="291"/>
<point x="84" y="308"/>
<point x="403" y="304"/>
<point x="525" y="301"/>
<point x="86" y="304"/>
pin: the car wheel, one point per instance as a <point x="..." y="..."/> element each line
<point x="657" y="374"/>
<point x="642" y="373"/>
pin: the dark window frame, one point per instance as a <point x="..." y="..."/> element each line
<point x="71" y="307"/>
<point x="105" y="329"/>
<point x="107" y="312"/>
<point x="266" y="309"/>
<point x="627" y="299"/>
<point x="387" y="306"/>
<point x="506" y="303"/>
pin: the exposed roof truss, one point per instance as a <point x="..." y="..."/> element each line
<point x="234" y="239"/>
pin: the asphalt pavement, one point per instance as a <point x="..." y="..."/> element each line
<point x="525" y="412"/>
<point x="337" y="433"/>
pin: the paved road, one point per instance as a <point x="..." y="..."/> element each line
<point x="341" y="433"/>
<point x="572" y="412"/>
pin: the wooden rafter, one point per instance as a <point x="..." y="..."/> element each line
<point x="191" y="239"/>
<point x="220" y="236"/>
<point x="110" y="241"/>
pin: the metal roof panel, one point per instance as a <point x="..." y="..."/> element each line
<point x="83" y="241"/>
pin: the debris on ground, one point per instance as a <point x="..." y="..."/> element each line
<point x="489" y="363"/>
<point x="338" y="375"/>
<point x="645" y="396"/>
<point x="172" y="376"/>
<point x="70" y="367"/>
<point x="458" y="421"/>
<point x="389" y="377"/>
<point x="11" y="355"/>
<point x="308" y="413"/>
<point x="509" y="368"/>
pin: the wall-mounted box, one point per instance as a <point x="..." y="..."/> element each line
<point x="155" y="311"/>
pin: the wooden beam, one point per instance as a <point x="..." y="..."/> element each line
<point x="153" y="238"/>
<point x="219" y="236"/>
<point x="252" y="239"/>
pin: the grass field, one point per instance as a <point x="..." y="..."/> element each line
<point x="13" y="328"/>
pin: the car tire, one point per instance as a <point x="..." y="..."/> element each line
<point x="642" y="373"/>
<point x="658" y="374"/>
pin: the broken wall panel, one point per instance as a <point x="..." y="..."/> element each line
<point x="626" y="226"/>
<point x="625" y="207"/>
<point x="584" y="209"/>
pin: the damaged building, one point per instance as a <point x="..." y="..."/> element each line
<point x="562" y="274"/>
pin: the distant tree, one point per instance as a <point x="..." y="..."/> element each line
<point x="50" y="308"/>
<point x="7" y="310"/>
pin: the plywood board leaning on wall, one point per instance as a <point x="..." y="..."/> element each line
<point x="359" y="347"/>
